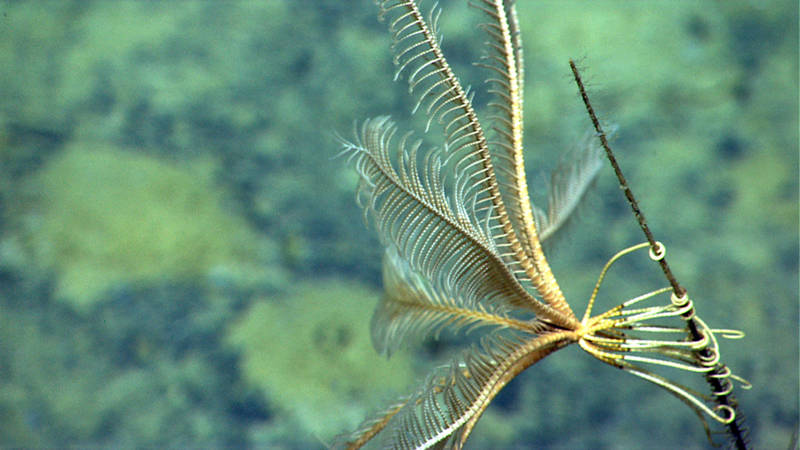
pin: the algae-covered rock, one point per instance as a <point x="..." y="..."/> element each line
<point x="97" y="216"/>
<point x="312" y="356"/>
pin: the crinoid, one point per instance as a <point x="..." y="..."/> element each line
<point x="463" y="249"/>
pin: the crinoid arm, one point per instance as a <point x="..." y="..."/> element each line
<point x="419" y="57"/>
<point x="504" y="62"/>
<point x="569" y="186"/>
<point x="443" y="238"/>
<point x="444" y="411"/>
<point x="412" y="307"/>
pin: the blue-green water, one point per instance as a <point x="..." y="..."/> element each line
<point x="182" y="262"/>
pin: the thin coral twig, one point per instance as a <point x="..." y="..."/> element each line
<point x="716" y="377"/>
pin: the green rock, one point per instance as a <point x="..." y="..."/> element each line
<point x="97" y="216"/>
<point x="311" y="354"/>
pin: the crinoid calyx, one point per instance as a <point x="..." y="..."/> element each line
<point x="464" y="249"/>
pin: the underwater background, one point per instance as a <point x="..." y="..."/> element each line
<point x="183" y="263"/>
